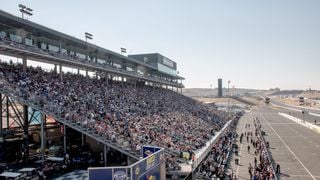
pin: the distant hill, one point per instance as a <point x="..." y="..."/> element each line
<point x="207" y="92"/>
<point x="287" y="92"/>
<point x="311" y="94"/>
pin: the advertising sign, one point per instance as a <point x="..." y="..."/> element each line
<point x="148" y="150"/>
<point x="146" y="169"/>
<point x="100" y="173"/>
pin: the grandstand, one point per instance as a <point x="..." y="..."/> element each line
<point x="129" y="102"/>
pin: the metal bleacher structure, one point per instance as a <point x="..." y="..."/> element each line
<point x="27" y="40"/>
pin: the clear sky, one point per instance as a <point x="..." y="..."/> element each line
<point x="254" y="43"/>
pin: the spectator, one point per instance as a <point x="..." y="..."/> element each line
<point x="128" y="116"/>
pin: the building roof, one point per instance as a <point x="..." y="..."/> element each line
<point x="35" y="29"/>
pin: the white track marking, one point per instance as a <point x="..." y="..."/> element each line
<point x="301" y="122"/>
<point x="314" y="114"/>
<point x="289" y="148"/>
<point x="293" y="109"/>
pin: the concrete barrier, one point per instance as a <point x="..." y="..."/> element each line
<point x="301" y="122"/>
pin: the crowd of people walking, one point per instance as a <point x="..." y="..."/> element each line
<point x="261" y="168"/>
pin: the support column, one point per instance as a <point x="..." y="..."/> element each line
<point x="64" y="139"/>
<point x="25" y="120"/>
<point x="135" y="83"/>
<point x="24" y="64"/>
<point x="105" y="154"/>
<point x="7" y="112"/>
<point x="87" y="74"/>
<point x="60" y="71"/>
<point x="162" y="169"/>
<point x="107" y="76"/>
<point x="43" y="136"/>
<point x="83" y="139"/>
<point x="55" y="68"/>
<point x="1" y="128"/>
<point x="128" y="161"/>
<point x="25" y="133"/>
<point x="1" y="132"/>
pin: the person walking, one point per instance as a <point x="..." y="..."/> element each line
<point x="278" y="169"/>
<point x="250" y="170"/>
<point x="255" y="162"/>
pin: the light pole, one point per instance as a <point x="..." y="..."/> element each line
<point x="87" y="36"/>
<point x="211" y="91"/>
<point x="25" y="10"/>
<point x="229" y="98"/>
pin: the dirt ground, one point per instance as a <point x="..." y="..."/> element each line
<point x="253" y="100"/>
<point x="295" y="102"/>
<point x="218" y="100"/>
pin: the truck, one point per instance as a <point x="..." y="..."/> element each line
<point x="301" y="100"/>
<point x="267" y="100"/>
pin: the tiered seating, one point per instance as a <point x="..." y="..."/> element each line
<point x="126" y="116"/>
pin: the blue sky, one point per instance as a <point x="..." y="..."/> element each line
<point x="252" y="43"/>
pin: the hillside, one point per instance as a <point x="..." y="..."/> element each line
<point x="207" y="92"/>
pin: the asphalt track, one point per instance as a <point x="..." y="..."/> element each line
<point x="298" y="114"/>
<point x="295" y="147"/>
<point x="312" y="110"/>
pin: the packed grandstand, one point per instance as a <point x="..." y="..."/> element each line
<point x="128" y="116"/>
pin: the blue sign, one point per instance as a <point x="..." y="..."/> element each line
<point x="148" y="150"/>
<point x="120" y="173"/>
<point x="146" y="169"/>
<point x="100" y="173"/>
<point x="149" y="167"/>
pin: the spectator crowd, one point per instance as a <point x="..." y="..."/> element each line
<point x="260" y="169"/>
<point x="215" y="165"/>
<point x="123" y="114"/>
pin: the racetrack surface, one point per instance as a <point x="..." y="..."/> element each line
<point x="295" y="147"/>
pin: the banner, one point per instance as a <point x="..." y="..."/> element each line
<point x="148" y="150"/>
<point x="147" y="168"/>
<point x="100" y="173"/>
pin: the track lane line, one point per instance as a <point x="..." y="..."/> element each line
<point x="288" y="147"/>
